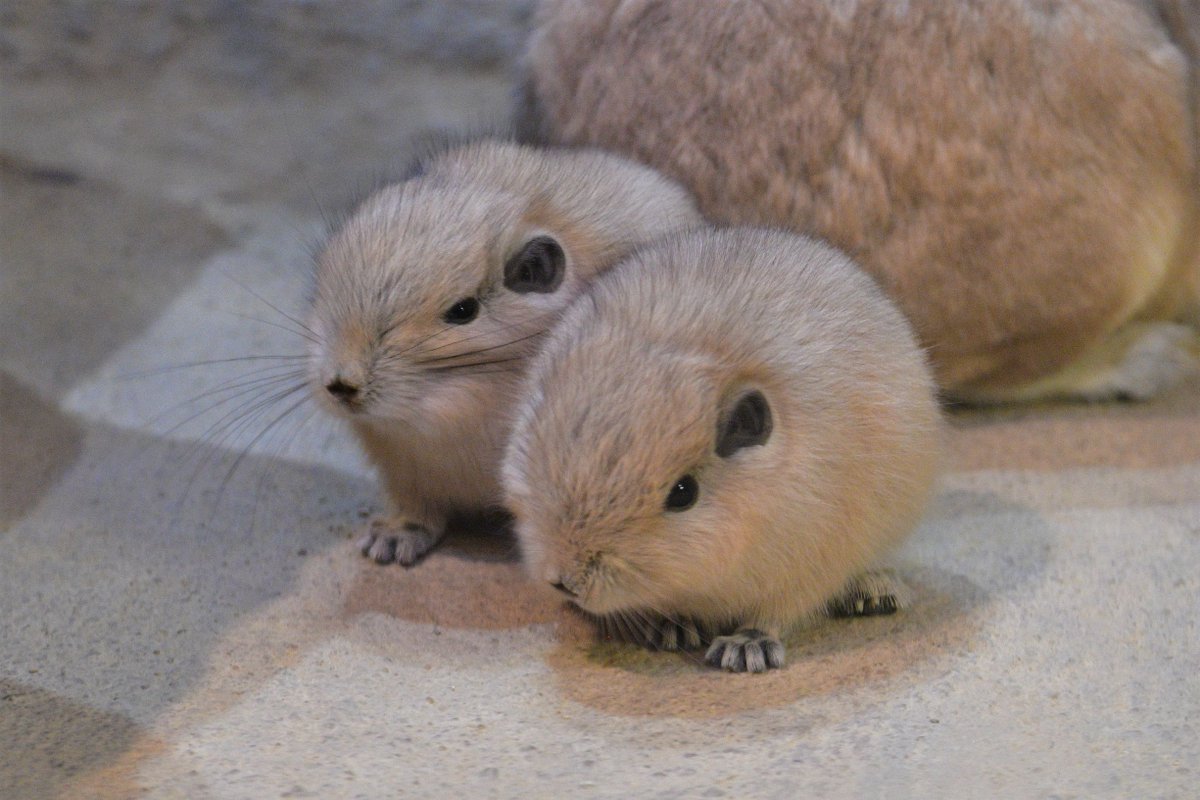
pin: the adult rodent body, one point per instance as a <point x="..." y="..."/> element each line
<point x="1021" y="176"/>
<point x="431" y="295"/>
<point x="727" y="431"/>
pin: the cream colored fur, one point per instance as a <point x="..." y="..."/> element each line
<point x="626" y="396"/>
<point x="386" y="277"/>
<point x="1020" y="175"/>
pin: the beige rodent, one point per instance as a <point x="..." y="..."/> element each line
<point x="431" y="295"/>
<point x="769" y="374"/>
<point x="1020" y="175"/>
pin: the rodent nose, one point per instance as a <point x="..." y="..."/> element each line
<point x="563" y="588"/>
<point x="345" y="392"/>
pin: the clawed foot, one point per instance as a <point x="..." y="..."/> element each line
<point x="1137" y="362"/>
<point x="1161" y="357"/>
<point x="746" y="650"/>
<point x="869" y="594"/>
<point x="388" y="540"/>
<point x="655" y="632"/>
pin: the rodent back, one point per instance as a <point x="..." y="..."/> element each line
<point x="971" y="155"/>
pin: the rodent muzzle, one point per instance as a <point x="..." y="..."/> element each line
<point x="563" y="588"/>
<point x="344" y="392"/>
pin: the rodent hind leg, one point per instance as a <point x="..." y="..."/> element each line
<point x="1137" y="362"/>
<point x="746" y="650"/>
<point x="400" y="539"/>
<point x="872" y="593"/>
<point x="1152" y="358"/>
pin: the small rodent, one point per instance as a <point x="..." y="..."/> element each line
<point x="1022" y="177"/>
<point x="431" y="295"/>
<point x="724" y="433"/>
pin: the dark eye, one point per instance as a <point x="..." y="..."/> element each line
<point x="462" y="312"/>
<point x="683" y="494"/>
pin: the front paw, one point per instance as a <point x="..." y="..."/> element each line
<point x="746" y="650"/>
<point x="399" y="540"/>
<point x="654" y="631"/>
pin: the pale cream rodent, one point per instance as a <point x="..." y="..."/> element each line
<point x="432" y="294"/>
<point x="1021" y="176"/>
<point x="727" y="431"/>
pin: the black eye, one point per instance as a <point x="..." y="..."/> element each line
<point x="683" y="494"/>
<point x="462" y="312"/>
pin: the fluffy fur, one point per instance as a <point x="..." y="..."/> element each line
<point x="629" y="393"/>
<point x="1020" y="175"/>
<point x="430" y="400"/>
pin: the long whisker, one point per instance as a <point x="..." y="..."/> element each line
<point x="246" y="416"/>
<point x="239" y="390"/>
<point x="487" y="371"/>
<point x="234" y="389"/>
<point x="233" y="428"/>
<point x="657" y="627"/>
<point x="312" y="337"/>
<point x="280" y="453"/>
<point x="450" y="367"/>
<point x="450" y="330"/>
<point x="271" y="305"/>
<point x="210" y="362"/>
<point x="507" y="327"/>
<point x="451" y="343"/>
<point x="644" y="584"/>
<point x="619" y="627"/>
<point x="250" y="445"/>
<point x="232" y="421"/>
<point x="249" y="379"/>
<point x="518" y="340"/>
<point x="235" y="420"/>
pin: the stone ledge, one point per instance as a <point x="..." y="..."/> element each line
<point x="86" y="37"/>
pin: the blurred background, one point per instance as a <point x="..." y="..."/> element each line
<point x="139" y="140"/>
<point x="161" y="164"/>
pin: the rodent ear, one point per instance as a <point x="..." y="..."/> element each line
<point x="538" y="267"/>
<point x="747" y="424"/>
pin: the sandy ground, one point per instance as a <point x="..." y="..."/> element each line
<point x="181" y="610"/>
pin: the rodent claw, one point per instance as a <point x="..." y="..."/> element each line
<point x="671" y="635"/>
<point x="874" y="593"/>
<point x="756" y="660"/>
<point x="653" y="631"/>
<point x="746" y="650"/>
<point x="383" y="550"/>
<point x="405" y="544"/>
<point x="733" y="659"/>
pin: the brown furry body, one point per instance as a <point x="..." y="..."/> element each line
<point x="1020" y="175"/>
<point x="639" y="385"/>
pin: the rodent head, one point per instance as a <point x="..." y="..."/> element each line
<point x="424" y="295"/>
<point x="431" y="295"/>
<point x="629" y="469"/>
<point x="727" y="424"/>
